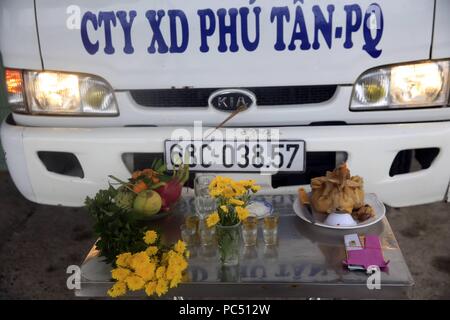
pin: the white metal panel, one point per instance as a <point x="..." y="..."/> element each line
<point x="336" y="109"/>
<point x="371" y="150"/>
<point x="12" y="143"/>
<point x="441" y="39"/>
<point x="19" y="44"/>
<point x="406" y="36"/>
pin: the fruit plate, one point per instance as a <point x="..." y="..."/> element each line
<point x="159" y="215"/>
<point x="370" y="199"/>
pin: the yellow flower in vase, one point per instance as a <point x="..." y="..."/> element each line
<point x="236" y="202"/>
<point x="212" y="219"/>
<point x="224" y="208"/>
<point x="256" y="188"/>
<point x="242" y="213"/>
<point x="216" y="192"/>
<point x="228" y="192"/>
<point x="238" y="188"/>
<point x="247" y="183"/>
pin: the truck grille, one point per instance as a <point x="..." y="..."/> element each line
<point x="265" y="96"/>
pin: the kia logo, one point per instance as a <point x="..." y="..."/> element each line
<point x="232" y="99"/>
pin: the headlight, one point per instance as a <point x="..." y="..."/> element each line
<point x="416" y="85"/>
<point x="62" y="94"/>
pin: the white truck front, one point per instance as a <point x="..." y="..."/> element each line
<point x="96" y="88"/>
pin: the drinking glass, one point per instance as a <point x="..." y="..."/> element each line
<point x="250" y="231"/>
<point x="270" y="230"/>
<point x="207" y="235"/>
<point x="204" y="205"/>
<point x="201" y="184"/>
<point x="187" y="234"/>
<point x="192" y="222"/>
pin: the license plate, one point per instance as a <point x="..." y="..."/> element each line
<point x="237" y="156"/>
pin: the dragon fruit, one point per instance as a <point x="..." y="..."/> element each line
<point x="170" y="191"/>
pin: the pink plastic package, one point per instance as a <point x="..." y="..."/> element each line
<point x="370" y="255"/>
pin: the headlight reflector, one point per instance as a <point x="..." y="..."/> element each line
<point x="405" y="86"/>
<point x="97" y="96"/>
<point x="62" y="93"/>
<point x="372" y="88"/>
<point x="53" y="92"/>
<point x="418" y="84"/>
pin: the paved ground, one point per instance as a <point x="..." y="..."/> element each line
<point x="37" y="243"/>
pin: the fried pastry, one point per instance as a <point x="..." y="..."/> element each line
<point x="337" y="191"/>
<point x="363" y="213"/>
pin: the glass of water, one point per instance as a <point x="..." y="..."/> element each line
<point x="204" y="205"/>
<point x="188" y="234"/>
<point x="270" y="230"/>
<point x="250" y="231"/>
<point x="201" y="184"/>
<point x="207" y="235"/>
<point x="192" y="222"/>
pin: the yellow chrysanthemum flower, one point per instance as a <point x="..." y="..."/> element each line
<point x="172" y="272"/>
<point x="120" y="273"/>
<point x="161" y="287"/>
<point x="180" y="247"/>
<point x="153" y="270"/>
<point x="175" y="281"/>
<point x="215" y="192"/>
<point x="239" y="190"/>
<point x="228" y="192"/>
<point x="146" y="271"/>
<point x="212" y="219"/>
<point x="150" y="237"/>
<point x="138" y="259"/>
<point x="256" y="188"/>
<point x="151" y="251"/>
<point x="150" y="288"/>
<point x="247" y="183"/>
<point x="236" y="202"/>
<point x="134" y="282"/>
<point x="118" y="289"/>
<point x="178" y="262"/>
<point x="160" y="272"/>
<point x="224" y="208"/>
<point x="122" y="260"/>
<point x="242" y="213"/>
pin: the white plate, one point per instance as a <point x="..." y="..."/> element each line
<point x="267" y="207"/>
<point x="370" y="199"/>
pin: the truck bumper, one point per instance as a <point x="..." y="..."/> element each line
<point x="371" y="151"/>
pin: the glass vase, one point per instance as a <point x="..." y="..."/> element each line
<point x="228" y="241"/>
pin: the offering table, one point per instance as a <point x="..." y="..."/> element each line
<point x="306" y="263"/>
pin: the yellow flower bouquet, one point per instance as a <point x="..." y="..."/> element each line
<point x="232" y="198"/>
<point x="154" y="270"/>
